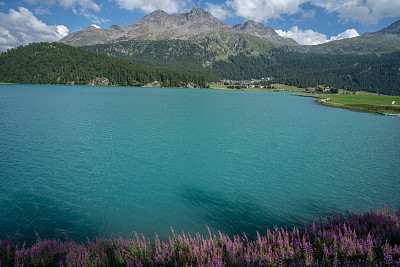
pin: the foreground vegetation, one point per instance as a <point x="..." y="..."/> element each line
<point x="368" y="103"/>
<point x="371" y="239"/>
<point x="56" y="63"/>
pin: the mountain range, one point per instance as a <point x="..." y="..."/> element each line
<point x="200" y="27"/>
<point x="196" y="25"/>
<point x="207" y="49"/>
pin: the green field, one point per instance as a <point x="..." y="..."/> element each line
<point x="278" y="87"/>
<point x="216" y="86"/>
<point x="368" y="103"/>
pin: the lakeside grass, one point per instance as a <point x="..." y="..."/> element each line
<point x="1" y="83"/>
<point x="370" y="239"/>
<point x="362" y="102"/>
<point x="278" y="88"/>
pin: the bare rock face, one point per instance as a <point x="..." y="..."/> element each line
<point x="390" y="32"/>
<point x="160" y="25"/>
<point x="211" y="34"/>
<point x="157" y="25"/>
<point x="89" y="36"/>
<point x="256" y="28"/>
<point x="394" y="28"/>
<point x="153" y="84"/>
<point x="100" y="81"/>
<point x="260" y="30"/>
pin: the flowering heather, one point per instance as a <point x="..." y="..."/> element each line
<point x="354" y="240"/>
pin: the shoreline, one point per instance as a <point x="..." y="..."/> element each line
<point x="346" y="101"/>
<point x="358" y="104"/>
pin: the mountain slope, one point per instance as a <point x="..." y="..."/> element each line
<point x="200" y="43"/>
<point x="391" y="31"/>
<point x="157" y="25"/>
<point x="55" y="63"/>
<point x="200" y="27"/>
<point x="260" y="30"/>
<point x="197" y="26"/>
<point x="386" y="40"/>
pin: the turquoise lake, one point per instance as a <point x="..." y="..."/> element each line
<point x="79" y="161"/>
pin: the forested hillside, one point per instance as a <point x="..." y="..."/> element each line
<point x="56" y="63"/>
<point x="181" y="55"/>
<point x="378" y="74"/>
<point x="352" y="72"/>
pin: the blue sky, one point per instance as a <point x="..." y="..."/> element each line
<point x="307" y="21"/>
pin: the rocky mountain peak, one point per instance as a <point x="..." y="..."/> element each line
<point x="394" y="28"/>
<point x="157" y="15"/>
<point x="256" y="28"/>
<point x="199" y="12"/>
<point x="260" y="30"/>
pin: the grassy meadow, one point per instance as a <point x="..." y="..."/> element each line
<point x="362" y="102"/>
<point x="277" y="87"/>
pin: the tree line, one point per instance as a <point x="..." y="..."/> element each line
<point x="352" y="72"/>
<point x="56" y="63"/>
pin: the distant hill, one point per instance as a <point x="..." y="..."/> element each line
<point x="264" y="32"/>
<point x="221" y="40"/>
<point x="392" y="31"/>
<point x="197" y="27"/>
<point x="201" y="44"/>
<point x="56" y="63"/>
<point x="386" y="40"/>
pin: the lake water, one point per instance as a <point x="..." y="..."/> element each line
<point x="80" y="161"/>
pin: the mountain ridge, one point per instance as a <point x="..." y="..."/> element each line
<point x="159" y="25"/>
<point x="199" y="24"/>
<point x="199" y="43"/>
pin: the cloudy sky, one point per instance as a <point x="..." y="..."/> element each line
<point x="309" y="22"/>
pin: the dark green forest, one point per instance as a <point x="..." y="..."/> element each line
<point x="179" y="55"/>
<point x="175" y="63"/>
<point x="352" y="72"/>
<point x="377" y="74"/>
<point x="56" y="63"/>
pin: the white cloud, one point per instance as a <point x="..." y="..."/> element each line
<point x="2" y="3"/>
<point x="22" y="27"/>
<point x="310" y="37"/>
<point x="306" y="14"/>
<point x="96" y="26"/>
<point x="78" y="7"/>
<point x="363" y="11"/>
<point x="263" y="10"/>
<point x="307" y="37"/>
<point x="85" y="4"/>
<point x="218" y="11"/>
<point x="42" y="11"/>
<point x="62" y="31"/>
<point x="350" y="33"/>
<point x="169" y="6"/>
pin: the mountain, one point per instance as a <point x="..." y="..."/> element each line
<point x="260" y="30"/>
<point x="199" y="43"/>
<point x="361" y="45"/>
<point x="386" y="40"/>
<point x="197" y="26"/>
<point x="201" y="28"/>
<point x="391" y="31"/>
<point x="157" y="25"/>
<point x="55" y="63"/>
